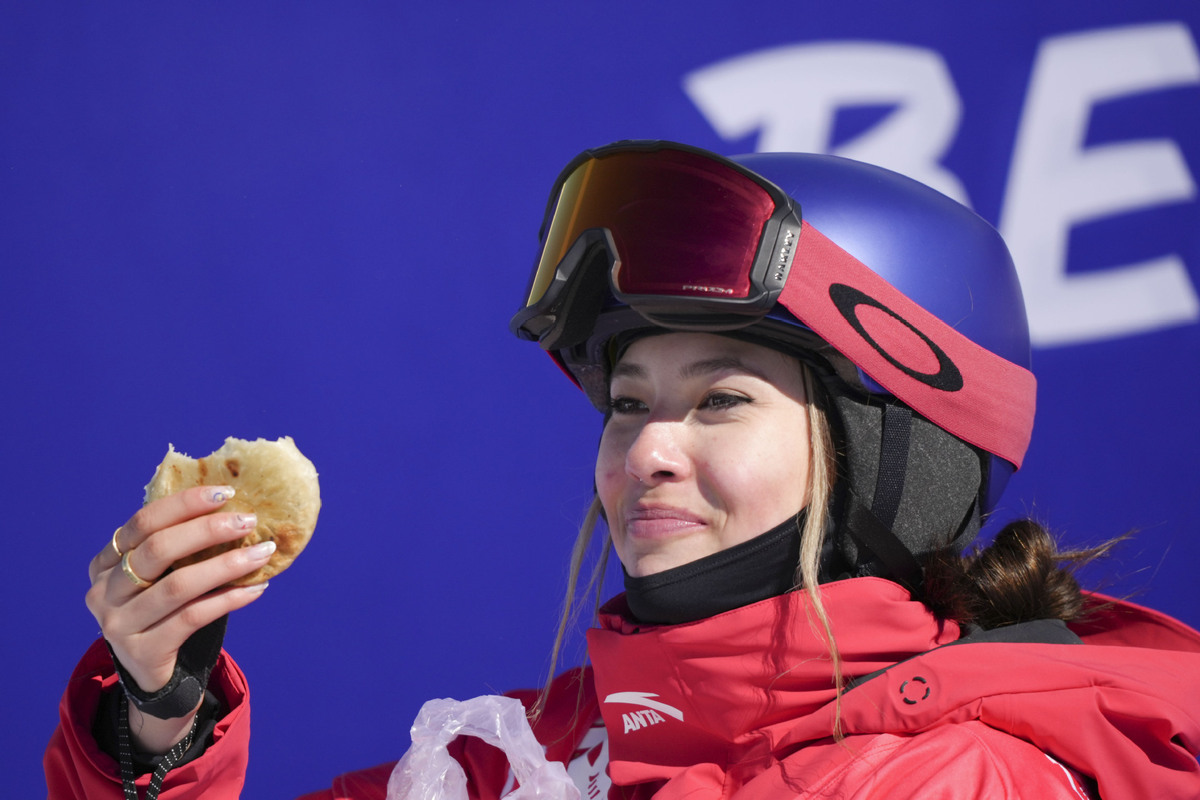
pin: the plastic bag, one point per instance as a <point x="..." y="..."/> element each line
<point x="428" y="771"/>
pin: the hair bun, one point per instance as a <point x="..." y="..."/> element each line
<point x="1019" y="578"/>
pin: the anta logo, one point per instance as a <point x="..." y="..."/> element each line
<point x="651" y="712"/>
<point x="641" y="719"/>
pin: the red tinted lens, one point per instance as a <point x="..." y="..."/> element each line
<point x="682" y="224"/>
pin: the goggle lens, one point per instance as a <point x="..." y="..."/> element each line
<point x="681" y="224"/>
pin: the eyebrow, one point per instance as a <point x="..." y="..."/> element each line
<point x="706" y="366"/>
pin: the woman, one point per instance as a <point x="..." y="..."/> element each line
<point x="815" y="386"/>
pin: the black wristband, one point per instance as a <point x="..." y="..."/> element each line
<point x="178" y="698"/>
<point x="185" y="689"/>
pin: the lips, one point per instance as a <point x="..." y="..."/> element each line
<point x="658" y="522"/>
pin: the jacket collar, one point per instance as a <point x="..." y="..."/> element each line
<point x="729" y="688"/>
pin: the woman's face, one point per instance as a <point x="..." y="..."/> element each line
<point x="707" y="447"/>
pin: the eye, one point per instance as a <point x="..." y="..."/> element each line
<point x="720" y="401"/>
<point x="625" y="405"/>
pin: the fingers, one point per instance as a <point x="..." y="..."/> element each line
<point x="172" y="510"/>
<point x="156" y="554"/>
<point x="117" y="601"/>
<point x="152" y="517"/>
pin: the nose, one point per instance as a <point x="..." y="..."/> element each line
<point x="658" y="453"/>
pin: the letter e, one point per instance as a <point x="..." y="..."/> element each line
<point x="1056" y="181"/>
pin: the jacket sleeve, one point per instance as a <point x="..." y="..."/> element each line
<point x="76" y="767"/>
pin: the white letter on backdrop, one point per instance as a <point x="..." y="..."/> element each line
<point x="1056" y="181"/>
<point x="793" y="93"/>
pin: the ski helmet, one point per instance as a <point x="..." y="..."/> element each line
<point x="906" y="303"/>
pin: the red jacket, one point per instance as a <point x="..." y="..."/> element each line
<point x="741" y="706"/>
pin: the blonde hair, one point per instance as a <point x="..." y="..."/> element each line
<point x="812" y="521"/>
<point x="822" y="472"/>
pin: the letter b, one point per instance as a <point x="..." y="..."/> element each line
<point x="793" y="94"/>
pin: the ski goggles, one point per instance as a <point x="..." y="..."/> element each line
<point x="690" y="240"/>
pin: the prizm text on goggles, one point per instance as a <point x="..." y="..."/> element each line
<point x="689" y="239"/>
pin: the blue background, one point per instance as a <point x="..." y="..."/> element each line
<point x="315" y="219"/>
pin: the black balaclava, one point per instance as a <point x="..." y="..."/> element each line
<point x="746" y="573"/>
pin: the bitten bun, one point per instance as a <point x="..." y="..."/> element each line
<point x="273" y="480"/>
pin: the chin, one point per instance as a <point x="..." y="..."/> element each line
<point x="654" y="563"/>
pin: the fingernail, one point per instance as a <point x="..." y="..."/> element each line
<point x="261" y="550"/>
<point x="219" y="494"/>
<point x="245" y="522"/>
<point x="256" y="588"/>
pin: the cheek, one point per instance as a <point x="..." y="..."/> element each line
<point x="789" y="481"/>
<point x="610" y="470"/>
<point x="770" y="481"/>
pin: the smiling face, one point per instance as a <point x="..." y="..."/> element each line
<point x="707" y="447"/>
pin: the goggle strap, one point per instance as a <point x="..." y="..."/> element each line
<point x="973" y="393"/>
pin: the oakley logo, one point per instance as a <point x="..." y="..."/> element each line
<point x="652" y="713"/>
<point x="849" y="301"/>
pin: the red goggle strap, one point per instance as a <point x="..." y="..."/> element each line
<point x="966" y="389"/>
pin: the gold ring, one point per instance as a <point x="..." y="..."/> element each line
<point x="138" y="580"/>
<point x="116" y="546"/>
